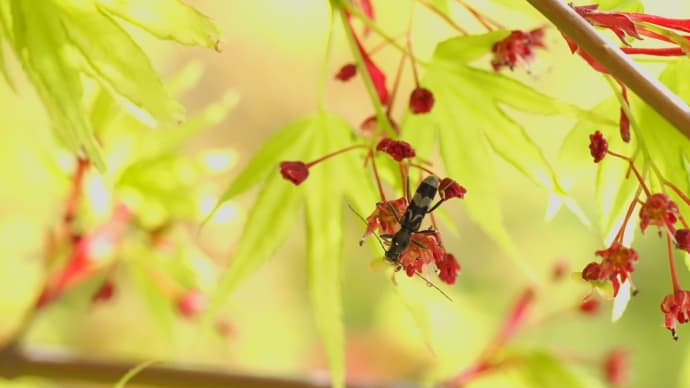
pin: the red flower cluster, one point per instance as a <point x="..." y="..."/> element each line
<point x="517" y="48"/>
<point x="676" y="309"/>
<point x="383" y="218"/>
<point x="597" y="146"/>
<point x="448" y="268"/>
<point x="616" y="265"/>
<point x="397" y="149"/>
<point x="659" y="210"/>
<point x="683" y="239"/>
<point x="617" y="368"/>
<point x="589" y="306"/>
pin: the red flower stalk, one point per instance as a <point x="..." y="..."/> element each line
<point x="659" y="210"/>
<point x="597" y="146"/>
<point x="421" y="100"/>
<point x="346" y="72"/>
<point x="397" y="149"/>
<point x="683" y="239"/>
<point x="517" y="48"/>
<point x="449" y="188"/>
<point x="617" y="368"/>
<point x="616" y="266"/>
<point x="676" y="309"/>
<point x="370" y="124"/>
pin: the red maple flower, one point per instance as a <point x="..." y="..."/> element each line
<point x="676" y="309"/>
<point x="424" y="249"/>
<point x="421" y="100"/>
<point x="346" y="72"/>
<point x="683" y="239"/>
<point x="616" y="265"/>
<point x="448" y="268"/>
<point x="296" y="171"/>
<point x="397" y="149"/>
<point x="597" y="146"/>
<point x="449" y="188"/>
<point x="617" y="367"/>
<point x="659" y="210"/>
<point x="516" y="48"/>
<point x="383" y="220"/>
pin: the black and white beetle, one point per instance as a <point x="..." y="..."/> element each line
<point x="412" y="218"/>
<point x="417" y="208"/>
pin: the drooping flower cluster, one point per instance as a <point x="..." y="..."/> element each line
<point x="657" y="209"/>
<point x="516" y="49"/>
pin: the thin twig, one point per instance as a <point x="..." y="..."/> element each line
<point x="653" y="92"/>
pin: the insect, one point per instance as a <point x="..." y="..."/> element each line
<point x="412" y="218"/>
<point x="418" y="206"/>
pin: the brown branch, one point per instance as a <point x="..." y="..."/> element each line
<point x="54" y="366"/>
<point x="653" y="92"/>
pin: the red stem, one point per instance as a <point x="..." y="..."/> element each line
<point x="482" y="19"/>
<point x="376" y="175"/>
<point x="332" y="154"/>
<point x="394" y="91"/>
<point x="628" y="214"/>
<point x="634" y="169"/>
<point x="445" y="17"/>
<point x="672" y="264"/>
<point x="422" y="168"/>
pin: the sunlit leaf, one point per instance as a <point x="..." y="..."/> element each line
<point x="324" y="213"/>
<point x="544" y="370"/>
<point x="113" y="58"/>
<point x="621" y="5"/>
<point x="472" y="127"/>
<point x="43" y="48"/>
<point x="171" y="19"/>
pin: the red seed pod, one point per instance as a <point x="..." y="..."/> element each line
<point x="589" y="306"/>
<point x="346" y="72"/>
<point x="597" y="146"/>
<point x="104" y="293"/>
<point x="296" y="172"/>
<point x="421" y="100"/>
<point x="591" y="271"/>
<point x="191" y="303"/>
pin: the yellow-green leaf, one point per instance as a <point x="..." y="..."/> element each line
<point x="167" y="19"/>
<point x="116" y="61"/>
<point x="42" y="45"/>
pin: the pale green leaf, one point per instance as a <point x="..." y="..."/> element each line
<point x="543" y="370"/>
<point x="116" y="61"/>
<point x="287" y="143"/>
<point x="3" y="65"/>
<point x="42" y="45"/>
<point x="323" y="208"/>
<point x="170" y="19"/>
<point x="621" y="5"/>
<point x="463" y="49"/>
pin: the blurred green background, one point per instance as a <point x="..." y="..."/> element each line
<point x="271" y="53"/>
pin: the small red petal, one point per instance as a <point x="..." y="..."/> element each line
<point x="296" y="172"/>
<point x="421" y="100"/>
<point x="346" y="72"/>
<point x="449" y="188"/>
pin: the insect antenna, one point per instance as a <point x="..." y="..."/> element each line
<point x="361" y="241"/>
<point x="430" y="284"/>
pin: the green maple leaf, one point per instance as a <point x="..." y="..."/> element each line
<point x="62" y="39"/>
<point x="472" y="127"/>
<point x="271" y="218"/>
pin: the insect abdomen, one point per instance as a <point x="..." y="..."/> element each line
<point x="412" y="219"/>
